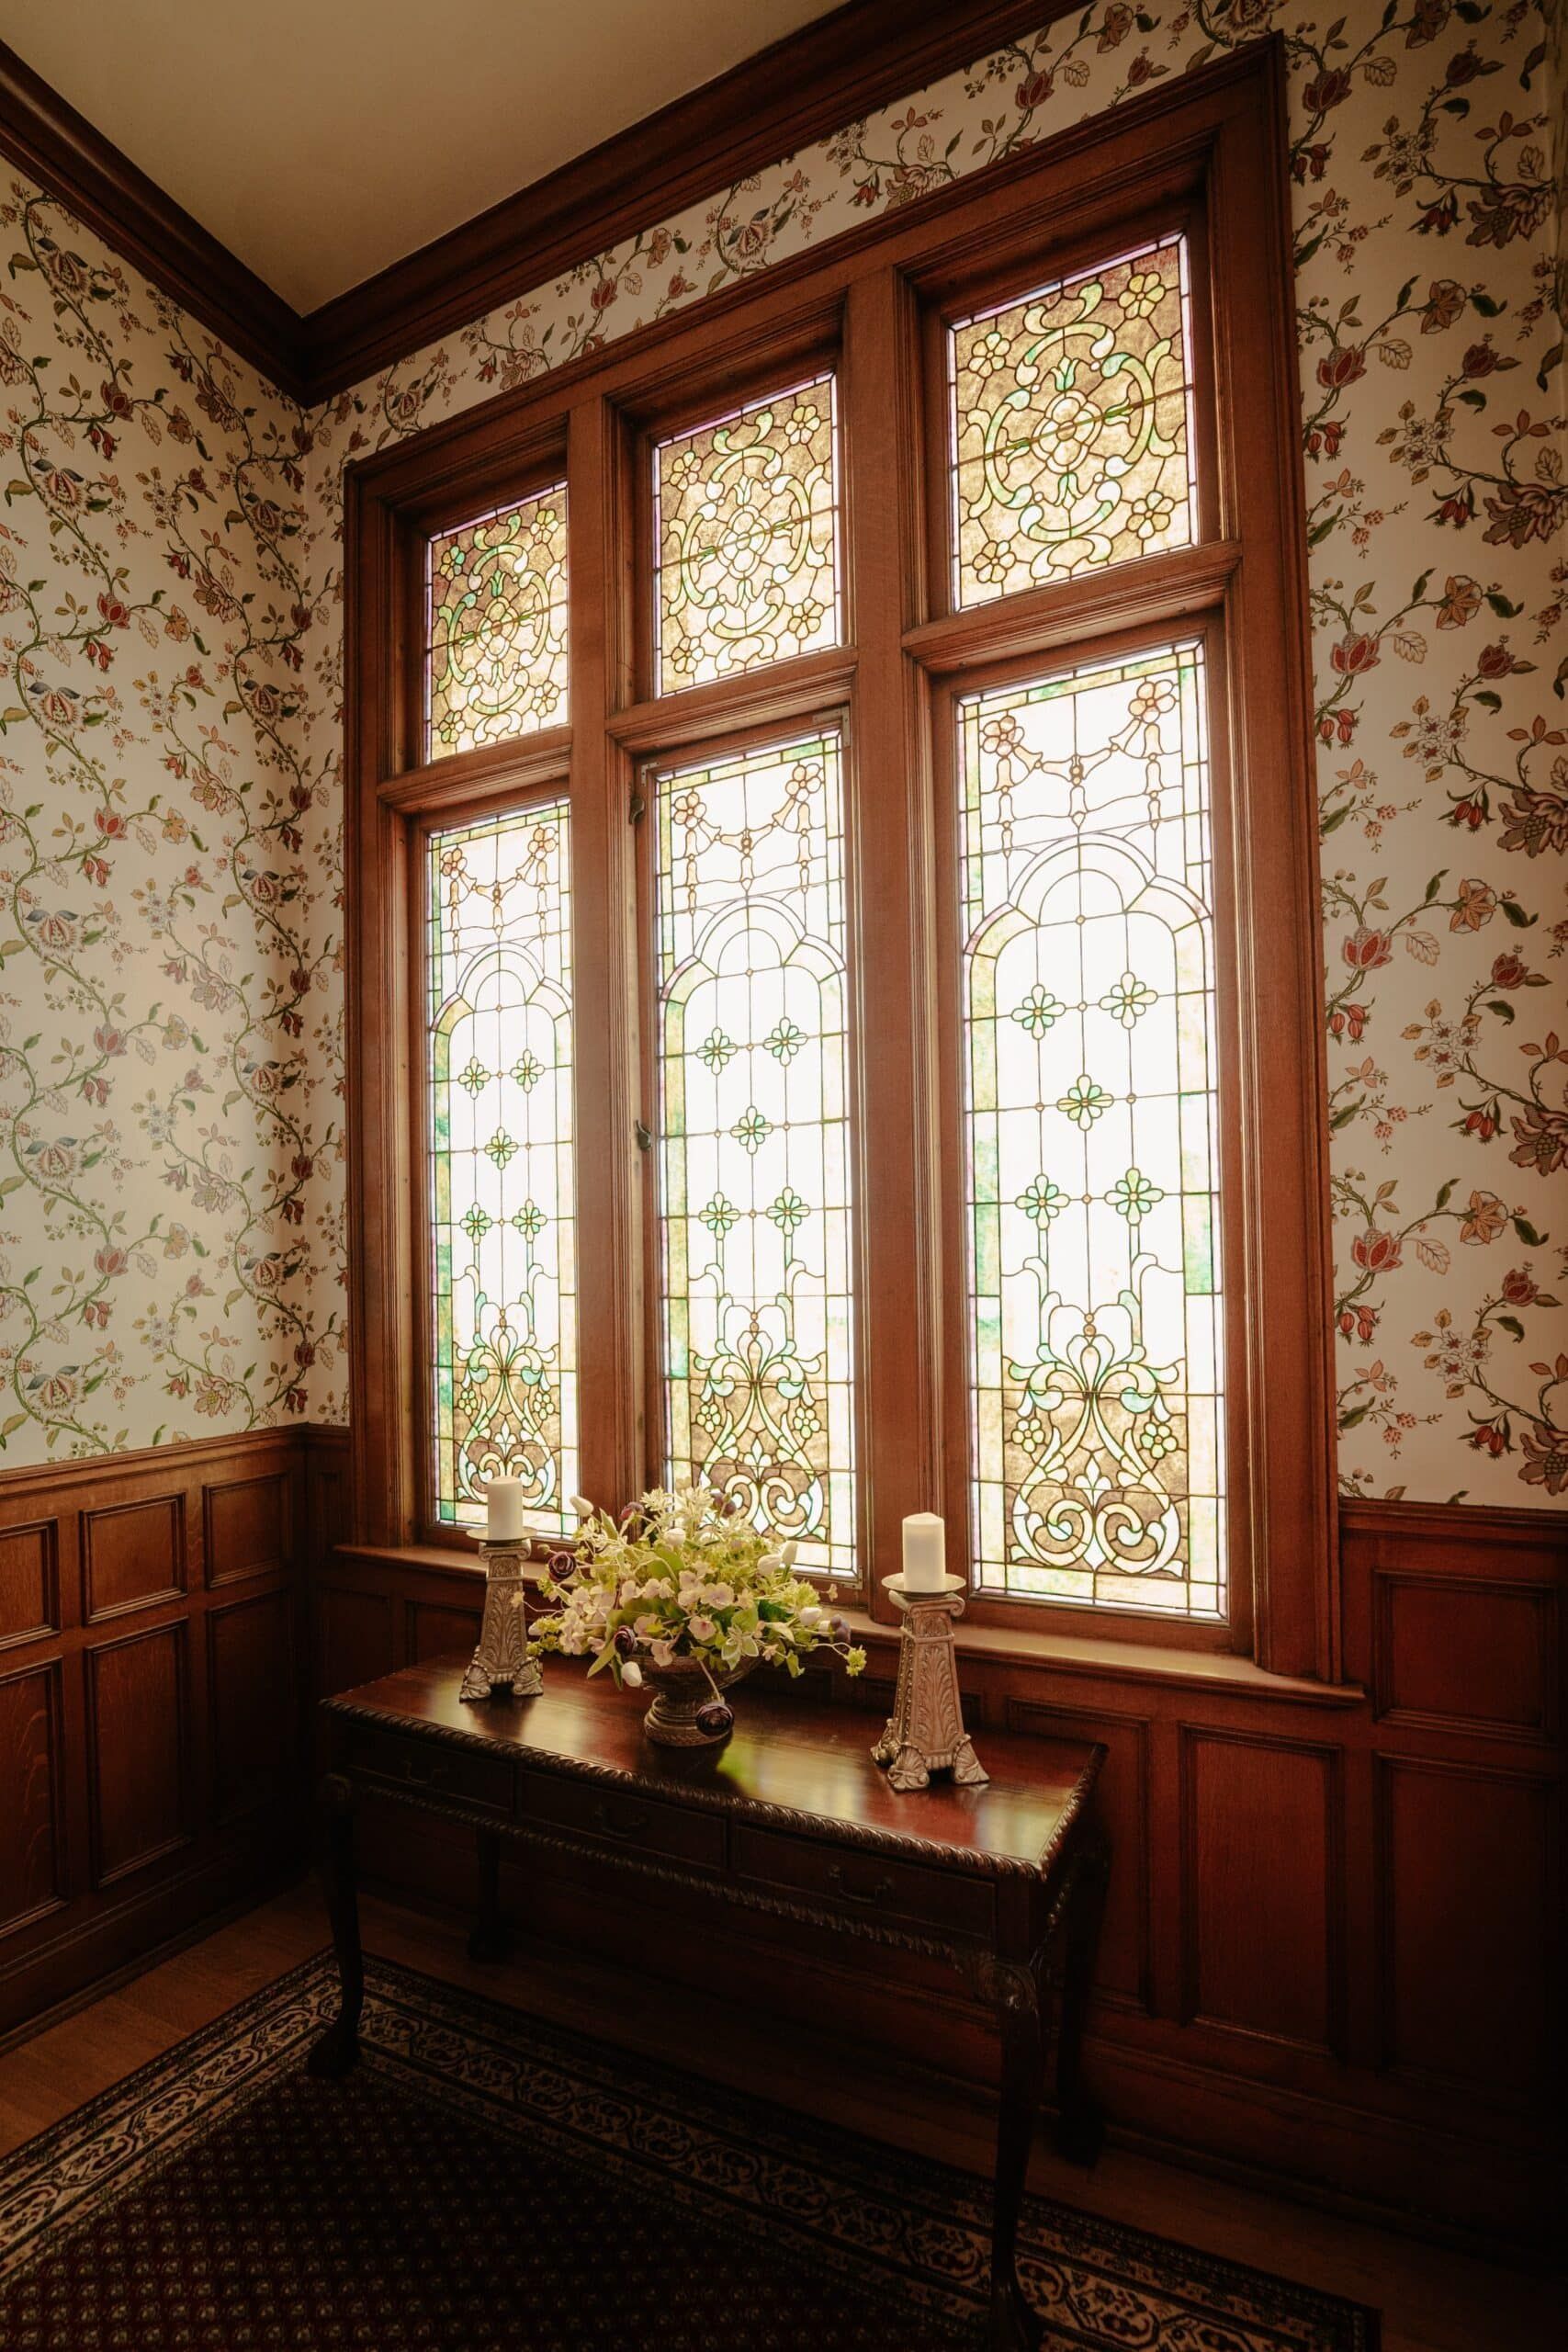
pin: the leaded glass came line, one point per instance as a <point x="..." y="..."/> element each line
<point x="758" y="1304"/>
<point x="498" y="1078"/>
<point x="1092" y="1167"/>
<point x="497" y="661"/>
<point x="1069" y="418"/>
<point x="746" y="539"/>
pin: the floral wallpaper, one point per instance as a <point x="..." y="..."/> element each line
<point x="171" y="1259"/>
<point x="1428" y="228"/>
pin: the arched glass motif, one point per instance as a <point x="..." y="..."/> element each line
<point x="746" y="539"/>
<point x="503" y="1231"/>
<point x="1070" y="425"/>
<point x="1092" y="1169"/>
<point x="497" y="599"/>
<point x="757" y="1304"/>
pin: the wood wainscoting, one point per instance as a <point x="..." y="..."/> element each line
<point x="1332" y="1932"/>
<point x="153" y="1694"/>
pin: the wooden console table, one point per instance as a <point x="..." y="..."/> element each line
<point x="790" y="1817"/>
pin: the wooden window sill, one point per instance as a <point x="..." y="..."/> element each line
<point x="1082" y="1654"/>
<point x="1089" y="1654"/>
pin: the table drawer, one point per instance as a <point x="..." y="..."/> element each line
<point x="624" y="1821"/>
<point x="451" y="1775"/>
<point x="860" y="1884"/>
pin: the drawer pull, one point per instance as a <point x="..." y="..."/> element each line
<point x="631" y="1825"/>
<point x="877" y="1892"/>
<point x="422" y="1775"/>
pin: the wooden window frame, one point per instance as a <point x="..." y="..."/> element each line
<point x="1208" y="151"/>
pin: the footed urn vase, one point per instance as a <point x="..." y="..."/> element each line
<point x="682" y="1692"/>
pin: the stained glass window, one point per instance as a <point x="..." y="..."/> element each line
<point x="1071" y="431"/>
<point x="746" y="539"/>
<point x="1095" y="1328"/>
<point x="499" y="1074"/>
<point x="497" y="661"/>
<point x="754" y="1139"/>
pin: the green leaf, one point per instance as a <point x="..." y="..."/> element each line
<point x="1353" y="1418"/>
<point x="1489" y="701"/>
<point x="1339" y="818"/>
<point x="1516" y="914"/>
<point x="1500" y="606"/>
<point x="1446" y="1192"/>
<point x="1511" y="1323"/>
<point x="1527" y="1234"/>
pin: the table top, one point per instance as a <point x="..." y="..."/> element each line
<point x="792" y="1761"/>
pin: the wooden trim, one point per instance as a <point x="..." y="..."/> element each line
<point x="1216" y="137"/>
<point x="798" y="89"/>
<point x="1481" y="1524"/>
<point x="109" y="194"/>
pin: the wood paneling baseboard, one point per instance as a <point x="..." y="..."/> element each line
<point x="1335" y="1911"/>
<point x="154" y="1692"/>
<point x="1333" y="1933"/>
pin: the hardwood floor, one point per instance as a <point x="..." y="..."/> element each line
<point x="1432" y="2299"/>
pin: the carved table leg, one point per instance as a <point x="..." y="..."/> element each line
<point x="337" y="2051"/>
<point x="1015" y="1990"/>
<point x="1080" y="2126"/>
<point x="489" y="1938"/>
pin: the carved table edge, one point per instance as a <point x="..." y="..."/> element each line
<point x="894" y="1843"/>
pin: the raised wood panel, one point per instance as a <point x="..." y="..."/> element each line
<point x="246" y="1525"/>
<point x="1468" y="1931"/>
<point x="1261" y="1886"/>
<point x="434" y="1630"/>
<point x="32" y="1827"/>
<point x="1122" y="1797"/>
<point x="139" y="1799"/>
<point x="133" y="1555"/>
<point x="253" y="1702"/>
<point x="354" y="1637"/>
<point x="29" y="1582"/>
<point x="1467" y="1654"/>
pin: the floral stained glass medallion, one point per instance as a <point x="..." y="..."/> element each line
<point x="746" y="539"/>
<point x="1092" y="1178"/>
<point x="502" y="1237"/>
<point x="497" y="660"/>
<point x="1071" y="429"/>
<point x="758" y="1304"/>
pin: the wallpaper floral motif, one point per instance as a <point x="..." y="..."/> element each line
<point x="170" y="1263"/>
<point x="1430" y="311"/>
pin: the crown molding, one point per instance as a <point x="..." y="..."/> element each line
<point x="801" y="88"/>
<point x="61" y="151"/>
<point x="812" y="83"/>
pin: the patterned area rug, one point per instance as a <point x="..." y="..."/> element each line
<point x="484" y="2183"/>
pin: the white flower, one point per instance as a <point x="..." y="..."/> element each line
<point x="631" y="1675"/>
<point x="772" y="1561"/>
<point x="581" y="1506"/>
<point x="701" y="1629"/>
<point x="719" y="1596"/>
<point x="663" y="1652"/>
<point x="787" y="1552"/>
<point x="809" y="1616"/>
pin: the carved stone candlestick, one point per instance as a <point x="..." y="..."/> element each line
<point x="925" y="1732"/>
<point x="501" y="1668"/>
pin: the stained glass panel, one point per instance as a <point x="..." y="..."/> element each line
<point x="1071" y="431"/>
<point x="1095" y="1321"/>
<point x="754" y="1140"/>
<point x="496" y="662"/>
<point x="746" y="539"/>
<point x="503" y="1235"/>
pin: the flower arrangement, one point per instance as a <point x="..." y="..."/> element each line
<point x="682" y="1589"/>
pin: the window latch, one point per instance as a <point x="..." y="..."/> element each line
<point x="644" y="1136"/>
<point x="637" y="806"/>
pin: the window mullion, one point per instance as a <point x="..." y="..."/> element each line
<point x="891" y="884"/>
<point x="609" y="1169"/>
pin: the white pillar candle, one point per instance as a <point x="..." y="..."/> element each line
<point x="503" y="1510"/>
<point x="925" y="1552"/>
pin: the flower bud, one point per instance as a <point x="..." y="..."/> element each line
<point x="787" y="1552"/>
<point x="581" y="1506"/>
<point x="631" y="1675"/>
